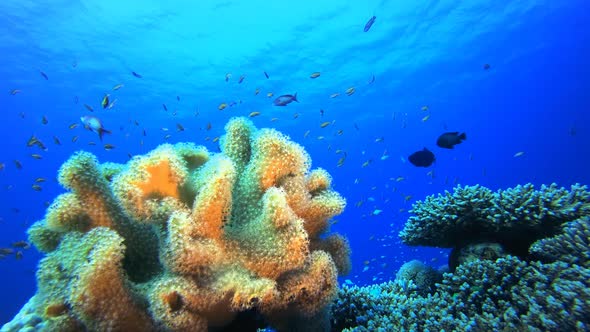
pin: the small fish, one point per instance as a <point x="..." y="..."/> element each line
<point x="519" y="154"/>
<point x="36" y="156"/>
<point x="334" y="95"/>
<point x="379" y="139"/>
<point x="424" y="119"/>
<point x="367" y="163"/>
<point x="273" y="119"/>
<point x="136" y="74"/>
<point x="315" y="74"/>
<point x="117" y="87"/>
<point x="449" y="140"/>
<point x="325" y="124"/>
<point x="165" y="107"/>
<point x="179" y="127"/>
<point x="256" y="92"/>
<point x="18" y="164"/>
<point x="18" y="255"/>
<point x="270" y="94"/>
<point x="372" y="80"/>
<point x="266" y="75"/>
<point x="284" y="100"/>
<point x="73" y="126"/>
<point x="21" y="244"/>
<point x="112" y="104"/>
<point x="167" y="136"/>
<point x="253" y="114"/>
<point x="74" y="139"/>
<point x="44" y="75"/>
<point x="400" y="179"/>
<point x="36" y="187"/>
<point x="94" y="124"/>
<point x="241" y="79"/>
<point x="109" y="147"/>
<point x="76" y="99"/>
<point x="295" y="116"/>
<point x="424" y="108"/>
<point x="407" y="198"/>
<point x="6" y="251"/>
<point x="88" y="107"/>
<point x="341" y="161"/>
<point x="222" y="106"/>
<point x="164" y="129"/>
<point x="340" y="132"/>
<point x="15" y="91"/>
<point x="92" y="143"/>
<point x="486" y="66"/>
<point x="215" y="139"/>
<point x="105" y="101"/>
<point x="350" y="91"/>
<point x="44" y="120"/>
<point x="209" y="126"/>
<point x="2" y="166"/>
<point x="423" y="158"/>
<point x="227" y="77"/>
<point x="306" y="134"/>
<point x="39" y="180"/>
<point x="369" y="23"/>
<point x="144" y="133"/>
<point x="177" y="98"/>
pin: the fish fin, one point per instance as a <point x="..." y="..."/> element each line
<point x="463" y="136"/>
<point x="295" y="97"/>
<point x="102" y="132"/>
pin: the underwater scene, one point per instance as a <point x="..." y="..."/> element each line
<point x="301" y="165"/>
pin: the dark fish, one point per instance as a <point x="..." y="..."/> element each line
<point x="285" y="99"/>
<point x="369" y="23"/>
<point x="265" y="74"/>
<point x="76" y="99"/>
<point x="177" y="98"/>
<point x="423" y="158"/>
<point x="241" y="79"/>
<point x="44" y="75"/>
<point x="165" y="108"/>
<point x="486" y="66"/>
<point x="449" y="140"/>
<point x="372" y="80"/>
<point x="136" y="74"/>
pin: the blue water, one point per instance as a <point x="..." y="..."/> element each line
<point x="534" y="98"/>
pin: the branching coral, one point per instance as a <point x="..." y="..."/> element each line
<point x="515" y="217"/>
<point x="181" y="239"/>
<point x="546" y="288"/>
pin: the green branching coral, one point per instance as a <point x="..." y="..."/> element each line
<point x="515" y="217"/>
<point x="503" y="295"/>
<point x="547" y="289"/>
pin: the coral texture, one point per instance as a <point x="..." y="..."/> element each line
<point x="182" y="239"/>
<point x="545" y="288"/>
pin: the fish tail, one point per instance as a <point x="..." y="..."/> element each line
<point x="102" y="132"/>
<point x="295" y="97"/>
<point x="463" y="136"/>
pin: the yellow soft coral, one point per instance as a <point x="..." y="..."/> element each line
<point x="185" y="239"/>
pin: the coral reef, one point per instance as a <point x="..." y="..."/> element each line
<point x="546" y="288"/>
<point x="514" y="218"/>
<point x="182" y="239"/>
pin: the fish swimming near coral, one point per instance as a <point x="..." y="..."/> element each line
<point x="284" y="100"/>
<point x="93" y="123"/>
<point x="449" y="140"/>
<point x="422" y="158"/>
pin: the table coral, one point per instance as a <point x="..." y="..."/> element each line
<point x="182" y="239"/>
<point x="545" y="288"/>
